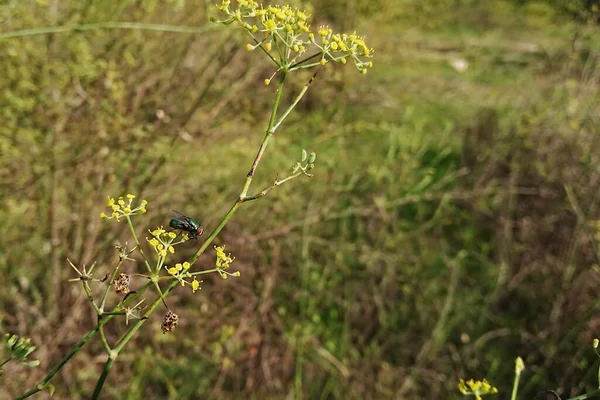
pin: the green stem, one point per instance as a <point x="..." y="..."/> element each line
<point x="259" y="43"/>
<point x="103" y="339"/>
<point x="268" y="135"/>
<point x="295" y="65"/>
<point x="589" y="395"/>
<point x="216" y="231"/>
<point x="515" y="388"/>
<point x="295" y="103"/>
<point x="114" y="313"/>
<point x="5" y="361"/>
<point x="249" y="176"/>
<point x="139" y="247"/>
<point x="138" y="324"/>
<point x="41" y="386"/>
<point x="125" y="339"/>
<point x="102" y="379"/>
<point x="160" y="293"/>
<point x="274" y="185"/>
<point x="208" y="271"/>
<point x="110" y="282"/>
<point x="88" y="293"/>
<point x="135" y="327"/>
<point x="104" y="25"/>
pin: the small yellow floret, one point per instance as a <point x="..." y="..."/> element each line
<point x="195" y="285"/>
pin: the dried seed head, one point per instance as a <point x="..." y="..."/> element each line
<point x="122" y="283"/>
<point x="170" y="322"/>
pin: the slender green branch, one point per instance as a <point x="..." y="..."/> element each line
<point x="274" y="185"/>
<point x="296" y="65"/>
<point x="295" y="102"/>
<point x="259" y="43"/>
<point x="103" y="338"/>
<point x="128" y="299"/>
<point x="113" y="353"/>
<point x="102" y="379"/>
<point x="249" y="176"/>
<point x="515" y="388"/>
<point x="105" y="25"/>
<point x="88" y="293"/>
<point x="137" y="242"/>
<point x="138" y="324"/>
<point x="160" y="293"/>
<point x="208" y="271"/>
<point x="307" y="66"/>
<point x="268" y="135"/>
<point x="114" y="313"/>
<point x="125" y="339"/>
<point x="110" y="283"/>
<point x="5" y="361"/>
<point x="216" y="231"/>
<point x="42" y="385"/>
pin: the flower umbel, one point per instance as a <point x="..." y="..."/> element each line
<point x="223" y="262"/>
<point x="121" y="207"/>
<point x="476" y="388"/>
<point x="181" y="272"/>
<point x="284" y="34"/>
<point x="163" y="243"/>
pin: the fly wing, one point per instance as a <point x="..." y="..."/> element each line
<point x="183" y="219"/>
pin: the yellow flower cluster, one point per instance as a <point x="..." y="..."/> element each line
<point x="162" y="241"/>
<point x="121" y="207"/>
<point x="283" y="32"/>
<point x="340" y="46"/>
<point x="180" y="272"/>
<point x="476" y="388"/>
<point x="223" y="262"/>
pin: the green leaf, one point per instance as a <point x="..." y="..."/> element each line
<point x="50" y="388"/>
<point x="312" y="158"/>
<point x="304" y="155"/>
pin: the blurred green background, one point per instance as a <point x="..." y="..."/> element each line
<point x="437" y="240"/>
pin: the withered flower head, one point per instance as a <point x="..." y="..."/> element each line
<point x="170" y="322"/>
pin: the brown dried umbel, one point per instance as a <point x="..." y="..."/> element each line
<point x="122" y="283"/>
<point x="170" y="322"/>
